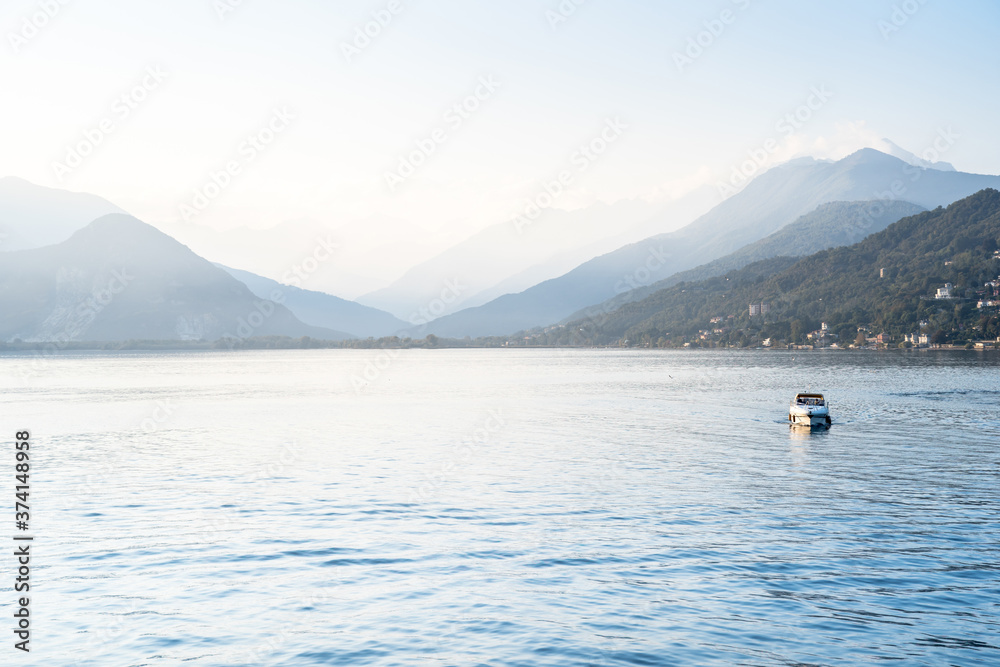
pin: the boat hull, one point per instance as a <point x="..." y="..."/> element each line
<point x="810" y="421"/>
<point x="811" y="417"/>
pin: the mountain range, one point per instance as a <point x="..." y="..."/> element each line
<point x="32" y="216"/>
<point x="513" y="256"/>
<point x="49" y="275"/>
<point x="771" y="201"/>
<point x="321" y="309"/>
<point x="830" y="225"/>
<point x="121" y="279"/>
<point x="887" y="282"/>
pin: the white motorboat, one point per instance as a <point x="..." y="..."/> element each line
<point x="810" y="410"/>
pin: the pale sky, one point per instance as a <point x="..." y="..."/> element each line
<point x="340" y="123"/>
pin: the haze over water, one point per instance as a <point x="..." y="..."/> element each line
<point x="501" y="507"/>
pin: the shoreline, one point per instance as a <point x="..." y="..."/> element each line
<point x="53" y="349"/>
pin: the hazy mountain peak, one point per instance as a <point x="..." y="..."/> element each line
<point x="868" y="155"/>
<point x="23" y="189"/>
<point x="14" y="182"/>
<point x="119" y="278"/>
<point x="888" y="151"/>
<point x="123" y="225"/>
<point x="894" y="150"/>
<point x="798" y="162"/>
<point x="33" y="216"/>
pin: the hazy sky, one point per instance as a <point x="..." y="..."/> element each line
<point x="896" y="69"/>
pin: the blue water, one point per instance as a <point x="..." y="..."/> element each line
<point x="508" y="507"/>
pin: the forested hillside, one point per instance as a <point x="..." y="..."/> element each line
<point x="886" y="283"/>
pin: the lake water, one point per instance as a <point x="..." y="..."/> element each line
<point x="507" y="507"/>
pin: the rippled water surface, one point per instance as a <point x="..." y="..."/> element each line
<point x="508" y="508"/>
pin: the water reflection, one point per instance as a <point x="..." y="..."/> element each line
<point x="801" y="439"/>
